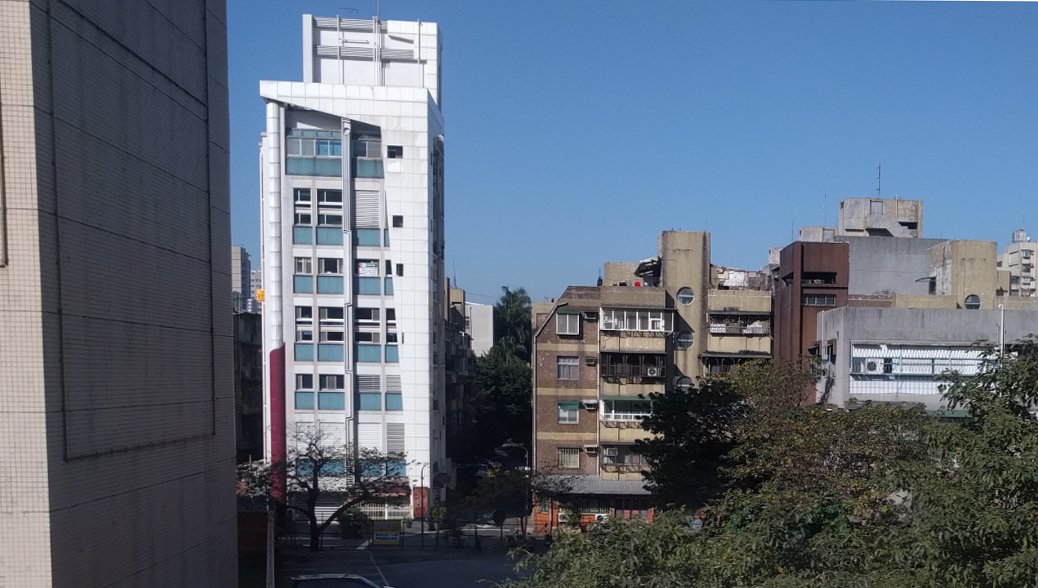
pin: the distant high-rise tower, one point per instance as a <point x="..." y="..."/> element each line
<point x="116" y="413"/>
<point x="352" y="200"/>
<point x="241" y="277"/>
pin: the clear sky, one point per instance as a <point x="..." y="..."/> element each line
<point x="578" y="130"/>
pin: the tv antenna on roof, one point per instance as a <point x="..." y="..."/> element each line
<point x="879" y="178"/>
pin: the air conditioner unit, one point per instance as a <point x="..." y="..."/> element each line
<point x="873" y="366"/>
<point x="653" y="372"/>
<point x="591" y="360"/>
<point x="589" y="404"/>
<point x="589" y="315"/>
<point x="610" y="451"/>
<point x="591" y="449"/>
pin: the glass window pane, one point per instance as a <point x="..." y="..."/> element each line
<point x="392" y="354"/>
<point x="329" y="284"/>
<point x="304" y="400"/>
<point x="394" y="401"/>
<point x="331" y="401"/>
<point x="327" y="167"/>
<point x="369" y="286"/>
<point x="330" y="352"/>
<point x="370" y="401"/>
<point x="307" y="147"/>
<point x="304" y="352"/>
<point x="302" y="284"/>
<point x="368" y="353"/>
<point x="367" y="237"/>
<point x="368" y="168"/>
<point x="329" y="236"/>
<point x="303" y="235"/>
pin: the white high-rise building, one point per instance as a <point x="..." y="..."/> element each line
<point x="353" y="244"/>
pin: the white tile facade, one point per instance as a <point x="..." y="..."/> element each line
<point x="116" y="413"/>
<point x="348" y="93"/>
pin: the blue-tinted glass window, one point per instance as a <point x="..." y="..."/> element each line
<point x="329" y="236"/>
<point x="370" y="401"/>
<point x="331" y="401"/>
<point x="303" y="235"/>
<point x="330" y="352"/>
<point x="392" y="354"/>
<point x="302" y="284"/>
<point x="329" y="284"/>
<point x="369" y="286"/>
<point x="367" y="237"/>
<point x="304" y="352"/>
<point x="369" y="353"/>
<point x="385" y="236"/>
<point x="368" y="168"/>
<point x="394" y="401"/>
<point x="389" y="286"/>
<point x="304" y="400"/>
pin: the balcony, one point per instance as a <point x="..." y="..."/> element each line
<point x="740" y="329"/>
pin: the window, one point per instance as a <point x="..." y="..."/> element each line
<point x="332" y="336"/>
<point x="304" y="265"/>
<point x="304" y="335"/>
<point x="331" y="400"/>
<point x="567" y="323"/>
<point x="686" y="296"/>
<point x="637" y="320"/>
<point x="304" y="218"/>
<point x="302" y="235"/>
<point x="368" y="237"/>
<point x="569" y="412"/>
<point x="400" y="269"/>
<point x="398" y="221"/>
<point x="329" y="197"/>
<point x="368" y="353"/>
<point x="331" y="314"/>
<point x="329" y="285"/>
<point x="685" y="339"/>
<point x="304" y="400"/>
<point x="367" y="146"/>
<point x="569" y="458"/>
<point x="370" y="401"/>
<point x="568" y="368"/>
<point x="303" y="351"/>
<point x="367" y="267"/>
<point x="367" y="337"/>
<point x="393" y="354"/>
<point x="389" y="286"/>
<point x="304" y="381"/>
<point x="329" y="265"/>
<point x="394" y="401"/>
<point x="1025" y="253"/>
<point x="394" y="151"/>
<point x="819" y="300"/>
<point x="304" y="314"/>
<point x="390" y="315"/>
<point x="391" y="338"/>
<point x="301" y="195"/>
<point x="371" y="286"/>
<point x="626" y="410"/>
<point x="332" y="381"/>
<point x="972" y="302"/>
<point x="330" y="352"/>
<point x="325" y="219"/>
<point x="367" y="314"/>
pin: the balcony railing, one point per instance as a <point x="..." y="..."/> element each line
<point x="624" y="416"/>
<point x="632" y="371"/>
<point x="723" y="329"/>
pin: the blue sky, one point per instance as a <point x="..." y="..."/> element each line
<point x="578" y="130"/>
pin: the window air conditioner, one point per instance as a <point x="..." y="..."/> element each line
<point x="610" y="451"/>
<point x="591" y="449"/>
<point x="589" y="404"/>
<point x="653" y="372"/>
<point x="873" y="366"/>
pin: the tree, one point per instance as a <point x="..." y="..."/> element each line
<point x="693" y="430"/>
<point x="884" y="495"/>
<point x="512" y="323"/>
<point x="318" y="466"/>
<point x="499" y="409"/>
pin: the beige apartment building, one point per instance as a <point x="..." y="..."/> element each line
<point x="1018" y="260"/>
<point x="116" y="394"/>
<point x="599" y="351"/>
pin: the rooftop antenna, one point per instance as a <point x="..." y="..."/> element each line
<point x="378" y="9"/>
<point x="825" y="209"/>
<point x="455" y="262"/>
<point x="879" y="178"/>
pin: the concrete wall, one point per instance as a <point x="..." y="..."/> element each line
<point x="962" y="268"/>
<point x="685" y="259"/>
<point x="889" y="264"/>
<point x="117" y="415"/>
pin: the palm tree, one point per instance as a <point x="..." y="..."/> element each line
<point x="512" y="327"/>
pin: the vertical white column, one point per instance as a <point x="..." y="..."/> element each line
<point x="273" y="321"/>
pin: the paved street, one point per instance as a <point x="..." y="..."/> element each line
<point x="409" y="566"/>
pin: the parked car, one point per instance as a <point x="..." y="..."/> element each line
<point x="334" y="581"/>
